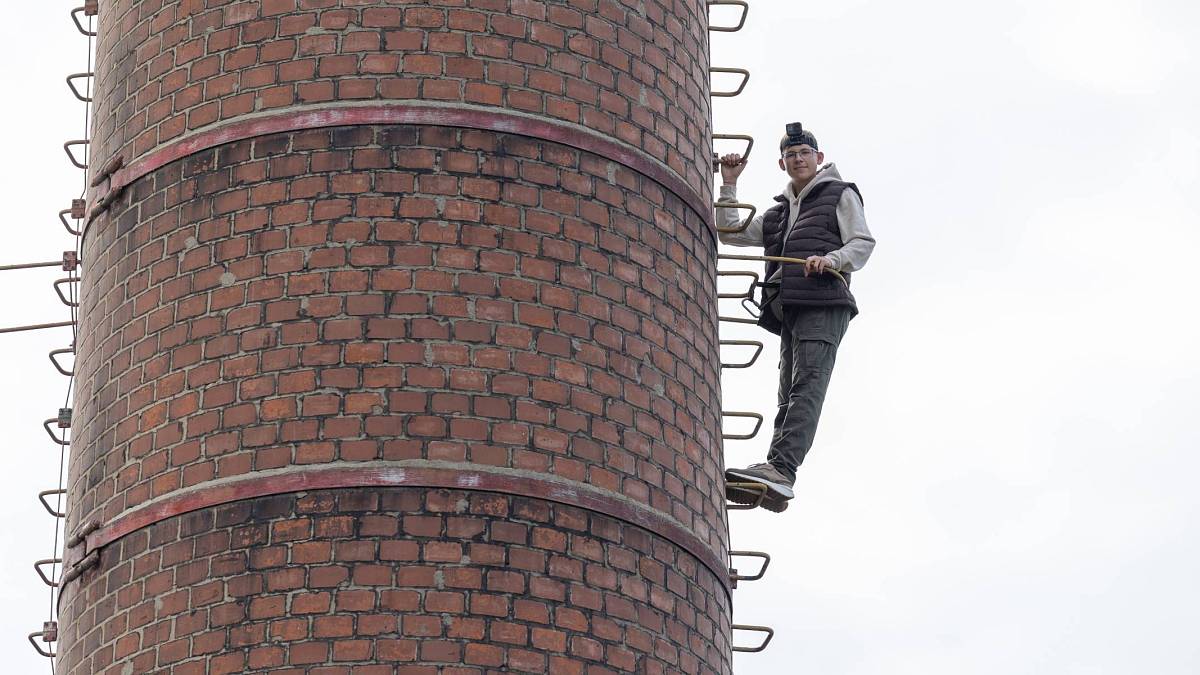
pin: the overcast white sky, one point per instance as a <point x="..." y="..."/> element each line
<point x="1002" y="482"/>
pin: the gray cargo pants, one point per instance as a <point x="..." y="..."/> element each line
<point x="808" y="343"/>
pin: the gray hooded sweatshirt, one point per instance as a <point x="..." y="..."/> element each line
<point x="857" y="242"/>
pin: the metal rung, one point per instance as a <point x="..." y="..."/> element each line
<point x="38" y="647"/>
<point x="62" y="216"/>
<point x="743" y="343"/>
<point x="67" y="147"/>
<point x="79" y="24"/>
<point x="45" y="579"/>
<point x="741" y="22"/>
<point x="765" y="557"/>
<point x="63" y="421"/>
<point x="734" y="319"/>
<point x="736" y="71"/>
<point x="754" y="629"/>
<point x="56" y="439"/>
<point x="736" y="205"/>
<point x="50" y="509"/>
<point x="75" y="90"/>
<point x="755" y="311"/>
<point x="754" y="488"/>
<point x="90" y="8"/>
<point x="742" y="437"/>
<point x="778" y="259"/>
<point x="29" y="266"/>
<point x="37" y="326"/>
<point x="749" y="293"/>
<point x="732" y="137"/>
<point x="58" y="366"/>
<point x="58" y="289"/>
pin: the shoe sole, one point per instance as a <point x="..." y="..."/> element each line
<point x="773" y="501"/>
<point x="738" y="476"/>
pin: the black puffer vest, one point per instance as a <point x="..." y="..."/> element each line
<point x="816" y="233"/>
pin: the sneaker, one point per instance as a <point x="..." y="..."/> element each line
<point x="779" y="486"/>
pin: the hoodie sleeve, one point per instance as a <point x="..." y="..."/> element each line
<point x="751" y="236"/>
<point x="857" y="240"/>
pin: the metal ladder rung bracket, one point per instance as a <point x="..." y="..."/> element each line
<point x="732" y="137"/>
<point x="748" y="293"/>
<point x="755" y="311"/>
<point x="75" y="90"/>
<point x="50" y="509"/>
<point x="756" y="488"/>
<point x="90" y="8"/>
<point x="736" y="71"/>
<point x="71" y="155"/>
<point x="736" y="205"/>
<point x="48" y="634"/>
<point x="742" y="437"/>
<point x="735" y="3"/>
<point x="58" y="289"/>
<point x="45" y="579"/>
<point x="754" y="629"/>
<point x="57" y="365"/>
<point x="62" y="216"/>
<point x="765" y="557"/>
<point x="63" y="421"/>
<point x="743" y="343"/>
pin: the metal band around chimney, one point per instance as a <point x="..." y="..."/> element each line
<point x="459" y="115"/>
<point x="411" y="474"/>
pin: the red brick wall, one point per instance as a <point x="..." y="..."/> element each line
<point x="396" y="581"/>
<point x="636" y="71"/>
<point x="399" y="293"/>
<point x="403" y="296"/>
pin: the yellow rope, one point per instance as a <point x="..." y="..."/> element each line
<point x="779" y="259"/>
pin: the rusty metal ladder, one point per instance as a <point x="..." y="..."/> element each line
<point x="746" y="361"/>
<point x="50" y="570"/>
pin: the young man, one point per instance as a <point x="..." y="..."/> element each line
<point x="819" y="218"/>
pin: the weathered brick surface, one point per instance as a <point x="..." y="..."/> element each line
<point x="390" y="293"/>
<point x="395" y="581"/>
<point x="636" y="71"/>
<point x="399" y="293"/>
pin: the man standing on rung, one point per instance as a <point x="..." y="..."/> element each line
<point x="819" y="218"/>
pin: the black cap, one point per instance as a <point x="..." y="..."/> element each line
<point x="796" y="135"/>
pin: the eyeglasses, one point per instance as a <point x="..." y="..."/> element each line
<point x="802" y="154"/>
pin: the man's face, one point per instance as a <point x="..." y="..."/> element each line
<point x="801" y="163"/>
